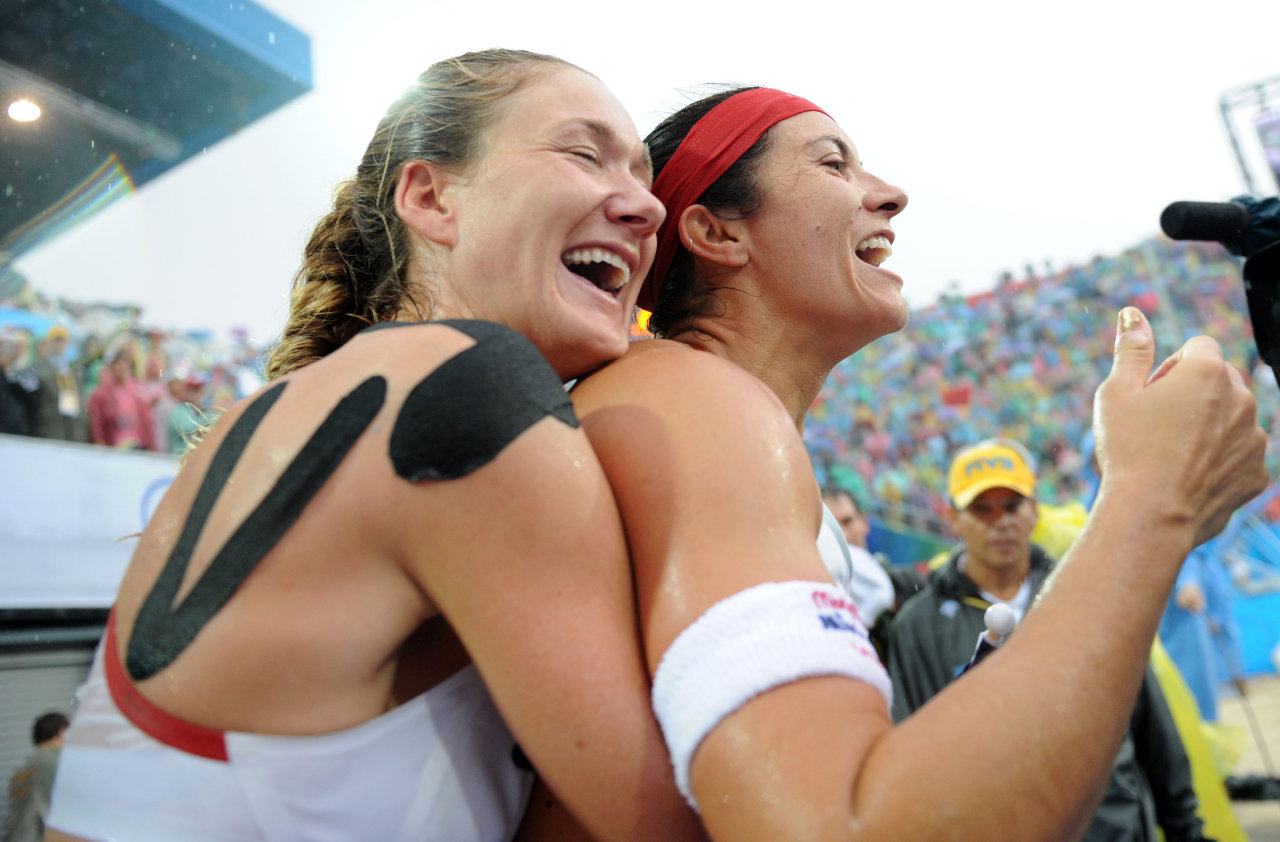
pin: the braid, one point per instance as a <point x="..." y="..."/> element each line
<point x="680" y="297"/>
<point x="352" y="276"/>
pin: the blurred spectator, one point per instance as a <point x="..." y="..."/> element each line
<point x="58" y="407"/>
<point x="186" y="418"/>
<point x="863" y="577"/>
<point x="17" y="384"/>
<point x="89" y="364"/>
<point x="119" y="414"/>
<point x="154" y="388"/>
<point x="853" y="523"/>
<point x="1200" y="631"/>
<point x="31" y="785"/>
<point x="1184" y="631"/>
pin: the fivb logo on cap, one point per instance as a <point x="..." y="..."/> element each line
<point x="1002" y="463"/>
<point x="994" y="463"/>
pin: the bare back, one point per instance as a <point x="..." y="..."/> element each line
<point x="464" y="517"/>
<point x="319" y="613"/>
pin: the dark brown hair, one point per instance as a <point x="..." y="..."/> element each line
<point x="736" y="194"/>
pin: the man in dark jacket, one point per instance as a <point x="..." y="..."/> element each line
<point x="992" y="490"/>
<point x="58" y="411"/>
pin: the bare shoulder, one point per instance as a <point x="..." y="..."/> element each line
<point x="678" y="384"/>
<point x="422" y="346"/>
<point x="712" y="478"/>
<point x="662" y="388"/>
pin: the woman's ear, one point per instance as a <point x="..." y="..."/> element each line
<point x="712" y="238"/>
<point x="424" y="202"/>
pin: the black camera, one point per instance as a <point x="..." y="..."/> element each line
<point x="1250" y="228"/>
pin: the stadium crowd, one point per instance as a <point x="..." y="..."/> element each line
<point x="1022" y="361"/>
<point x="97" y="373"/>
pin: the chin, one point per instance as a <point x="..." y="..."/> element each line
<point x="586" y="355"/>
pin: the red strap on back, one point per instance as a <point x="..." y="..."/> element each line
<point x="155" y="723"/>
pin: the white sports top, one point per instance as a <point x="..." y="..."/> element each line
<point x="438" y="767"/>
<point x="855" y="570"/>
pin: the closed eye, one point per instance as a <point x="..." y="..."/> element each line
<point x="586" y="154"/>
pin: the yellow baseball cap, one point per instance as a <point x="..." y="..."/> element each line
<point x="994" y="463"/>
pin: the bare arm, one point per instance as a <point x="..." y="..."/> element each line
<point x="716" y="497"/>
<point x="547" y="819"/>
<point x="528" y="564"/>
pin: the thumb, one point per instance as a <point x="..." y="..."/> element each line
<point x="1135" y="347"/>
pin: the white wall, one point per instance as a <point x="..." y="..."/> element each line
<point x="67" y="512"/>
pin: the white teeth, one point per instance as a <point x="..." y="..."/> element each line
<point x="599" y="255"/>
<point x="875" y="250"/>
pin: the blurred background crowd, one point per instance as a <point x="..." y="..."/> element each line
<point x="1021" y="360"/>
<point x="97" y="373"/>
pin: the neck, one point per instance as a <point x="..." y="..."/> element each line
<point x="790" y="361"/>
<point x="1003" y="582"/>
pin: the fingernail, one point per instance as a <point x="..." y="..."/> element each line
<point x="1129" y="319"/>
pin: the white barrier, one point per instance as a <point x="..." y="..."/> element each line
<point x="69" y="519"/>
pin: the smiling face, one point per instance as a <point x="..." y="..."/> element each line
<point x="823" y="231"/>
<point x="555" y="223"/>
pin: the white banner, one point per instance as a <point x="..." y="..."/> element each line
<point x="70" y="515"/>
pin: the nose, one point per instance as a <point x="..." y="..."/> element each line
<point x="883" y="197"/>
<point x="637" y="208"/>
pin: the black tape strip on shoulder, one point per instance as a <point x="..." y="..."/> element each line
<point x="162" y="631"/>
<point x="472" y="406"/>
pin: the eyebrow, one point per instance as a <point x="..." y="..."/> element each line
<point x="840" y="143"/>
<point x="606" y="133"/>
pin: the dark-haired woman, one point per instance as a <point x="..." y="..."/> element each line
<point x="769" y="271"/>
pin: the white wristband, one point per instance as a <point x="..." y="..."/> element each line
<point x="753" y="641"/>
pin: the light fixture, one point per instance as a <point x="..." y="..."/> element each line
<point x="24" y="110"/>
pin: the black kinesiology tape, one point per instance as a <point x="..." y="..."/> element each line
<point x="162" y="630"/>
<point x="476" y="403"/>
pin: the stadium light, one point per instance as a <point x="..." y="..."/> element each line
<point x="24" y="110"/>
<point x="98" y="117"/>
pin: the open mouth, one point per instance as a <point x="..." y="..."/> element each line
<point x="601" y="267"/>
<point x="874" y="250"/>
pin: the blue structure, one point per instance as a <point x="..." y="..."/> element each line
<point x="129" y="90"/>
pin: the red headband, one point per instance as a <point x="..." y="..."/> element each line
<point x="713" y="145"/>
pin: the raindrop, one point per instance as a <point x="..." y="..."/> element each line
<point x="271" y="37"/>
